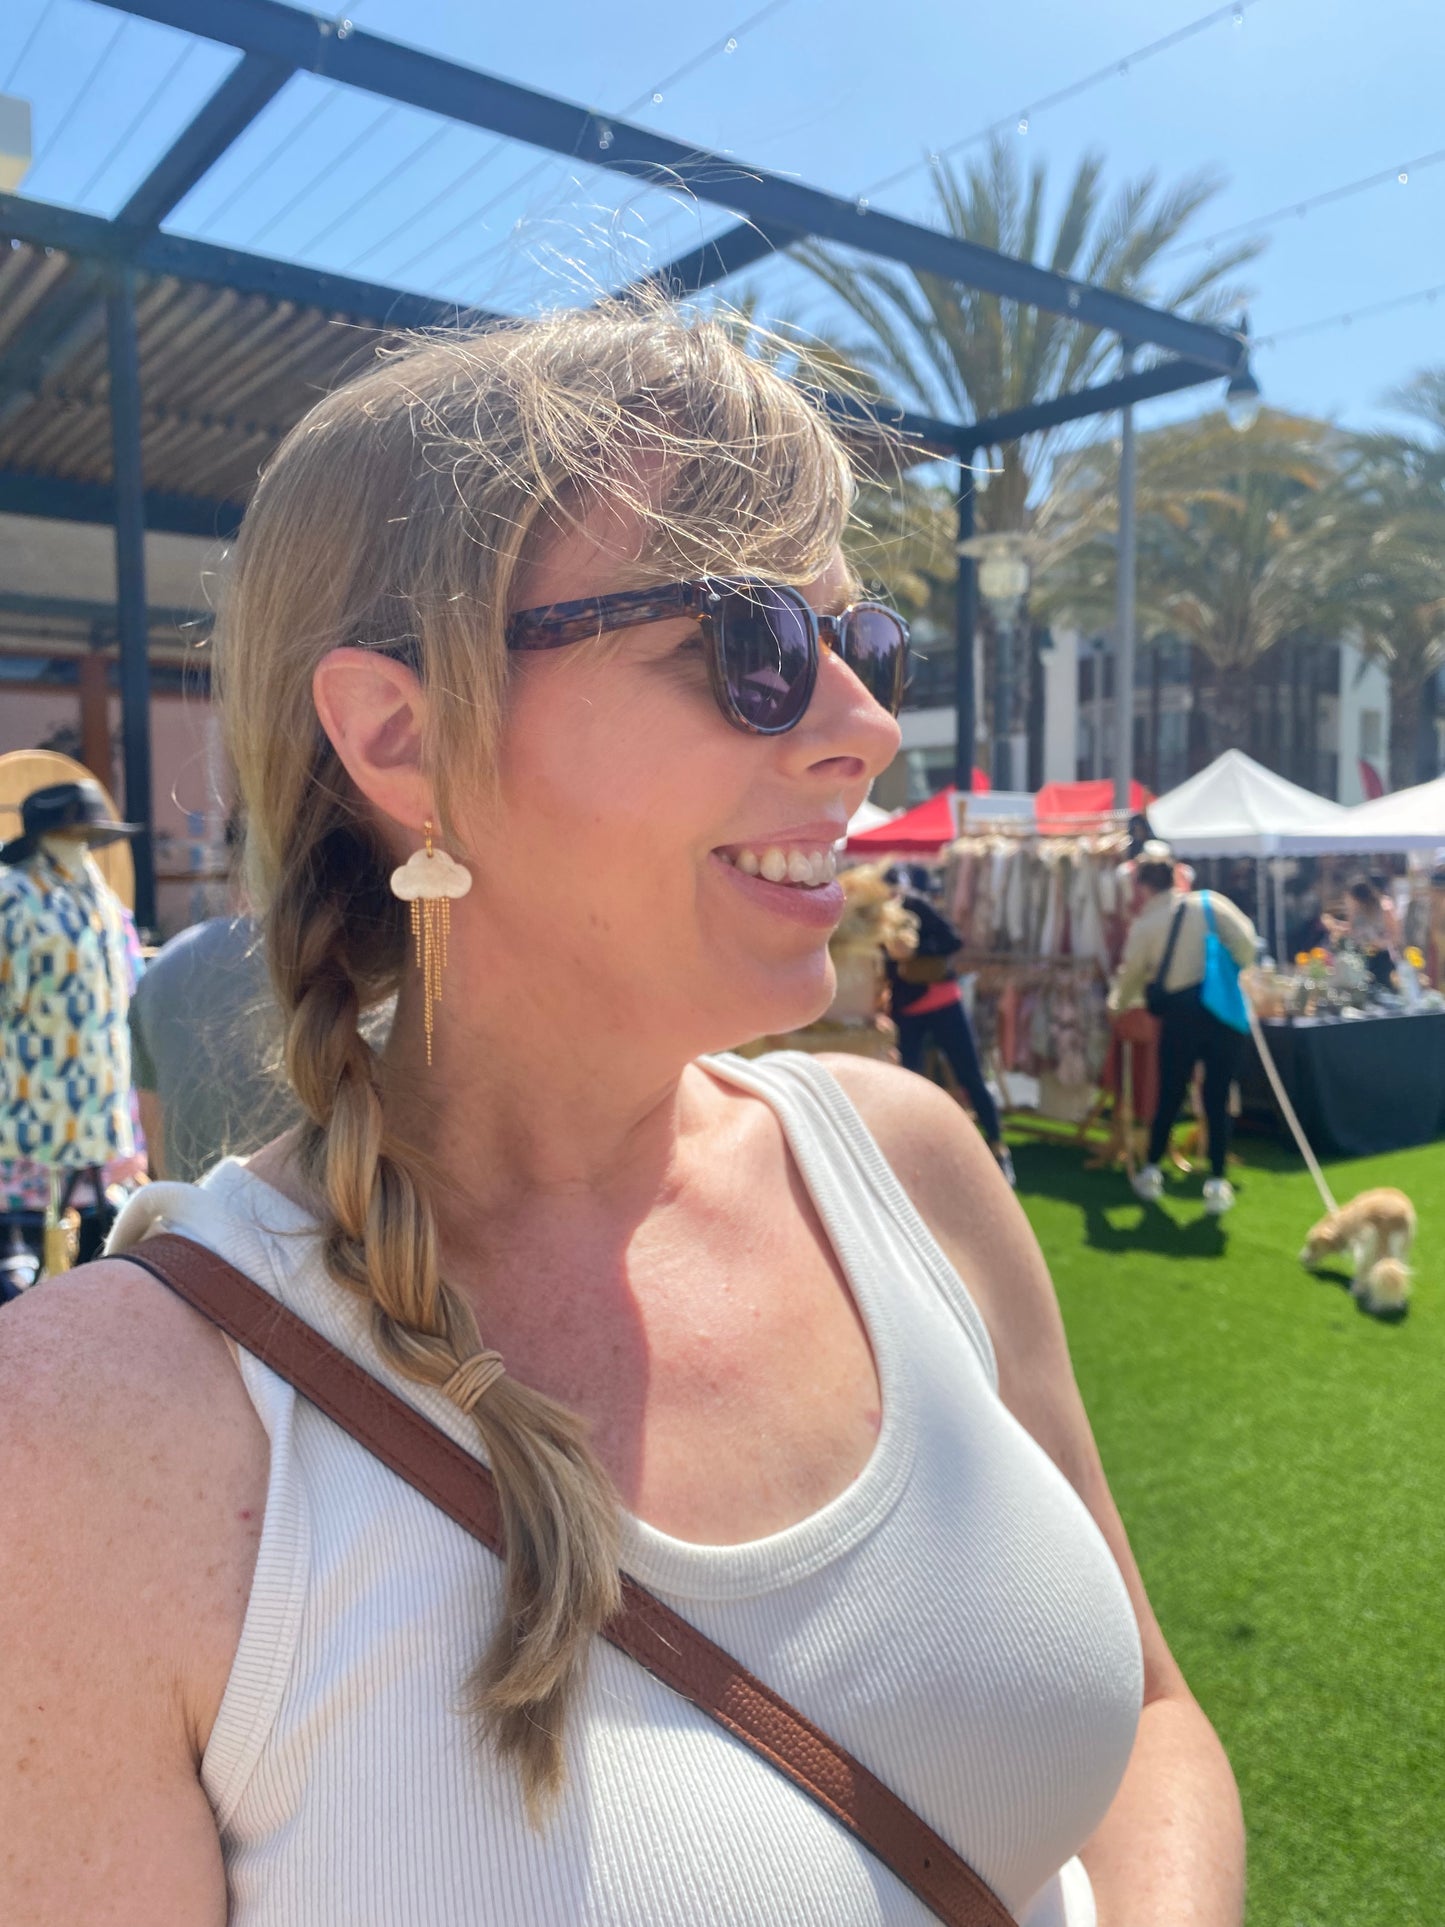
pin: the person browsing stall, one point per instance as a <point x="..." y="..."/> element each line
<point x="1165" y="951"/>
<point x="550" y="692"/>
<point x="928" y="1009"/>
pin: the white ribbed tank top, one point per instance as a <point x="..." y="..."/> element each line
<point x="954" y="1618"/>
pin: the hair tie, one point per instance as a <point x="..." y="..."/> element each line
<point x="473" y="1379"/>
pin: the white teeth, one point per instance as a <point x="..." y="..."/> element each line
<point x="806" y="869"/>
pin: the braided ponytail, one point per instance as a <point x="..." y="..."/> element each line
<point x="558" y="1510"/>
<point x="397" y="514"/>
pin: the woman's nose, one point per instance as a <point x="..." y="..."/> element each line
<point x="845" y="721"/>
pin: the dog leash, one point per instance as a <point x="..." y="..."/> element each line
<point x="1271" y="1071"/>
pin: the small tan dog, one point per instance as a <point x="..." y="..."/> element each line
<point x="1377" y="1229"/>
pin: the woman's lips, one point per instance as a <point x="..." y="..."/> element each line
<point x="819" y="906"/>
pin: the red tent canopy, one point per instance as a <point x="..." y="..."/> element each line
<point x="1062" y="807"/>
<point x="921" y="831"/>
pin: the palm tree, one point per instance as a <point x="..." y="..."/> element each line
<point x="1239" y="546"/>
<point x="1392" y="567"/>
<point x="954" y="352"/>
<point x="901" y="532"/>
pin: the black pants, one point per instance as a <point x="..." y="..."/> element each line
<point x="1190" y="1035"/>
<point x="950" y="1030"/>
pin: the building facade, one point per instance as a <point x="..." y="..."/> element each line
<point x="1321" y="716"/>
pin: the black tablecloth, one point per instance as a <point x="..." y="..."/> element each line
<point x="1360" y="1085"/>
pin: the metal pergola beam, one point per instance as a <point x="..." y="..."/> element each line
<point x="250" y="86"/>
<point x="74" y="312"/>
<point x="54" y="498"/>
<point x="132" y="629"/>
<point x="1164" y="378"/>
<point x="726" y="253"/>
<point x="393" y="71"/>
<point x="925" y="435"/>
<point x="87" y="236"/>
<point x="95" y="615"/>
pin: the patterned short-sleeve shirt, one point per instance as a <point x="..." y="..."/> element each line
<point x="64" y="994"/>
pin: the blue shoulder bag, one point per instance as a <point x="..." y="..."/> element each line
<point x="1221" y="992"/>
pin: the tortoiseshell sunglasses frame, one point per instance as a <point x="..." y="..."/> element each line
<point x="556" y="625"/>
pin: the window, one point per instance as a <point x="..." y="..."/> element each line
<point x="1371" y="732"/>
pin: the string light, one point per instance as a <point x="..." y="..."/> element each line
<point x="1114" y="71"/>
<point x="30" y="41"/>
<point x="317" y="108"/>
<point x="114" y="40"/>
<point x="1300" y="209"/>
<point x="141" y="115"/>
<point x="653" y="95"/>
<point x="1348" y="317"/>
<point x="372" y="128"/>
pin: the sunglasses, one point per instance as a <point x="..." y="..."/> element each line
<point x="762" y="642"/>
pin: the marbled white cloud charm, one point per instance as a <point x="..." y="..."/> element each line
<point x="428" y="874"/>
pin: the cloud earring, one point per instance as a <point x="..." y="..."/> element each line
<point x="428" y="881"/>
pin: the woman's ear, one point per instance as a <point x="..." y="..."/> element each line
<point x="373" y="709"/>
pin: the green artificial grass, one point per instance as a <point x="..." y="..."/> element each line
<point x="1279" y="1460"/>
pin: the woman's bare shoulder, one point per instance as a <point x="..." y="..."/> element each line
<point x="924" y="1135"/>
<point x="130" y="1509"/>
<point x="126" y="1431"/>
<point x="111" y="1340"/>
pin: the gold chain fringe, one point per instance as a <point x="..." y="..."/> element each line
<point x="431" y="926"/>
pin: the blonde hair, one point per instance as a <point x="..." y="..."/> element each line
<point x="398" y="514"/>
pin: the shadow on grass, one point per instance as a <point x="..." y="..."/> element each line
<point x="1387" y="1315"/>
<point x="1114" y="1220"/>
<point x="1153" y="1227"/>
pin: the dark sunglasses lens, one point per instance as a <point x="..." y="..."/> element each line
<point x="875" y="648"/>
<point x="768" y="658"/>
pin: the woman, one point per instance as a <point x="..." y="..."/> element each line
<point x="931" y="1014"/>
<point x="248" y="1675"/>
<point x="1166" y="944"/>
<point x="1372" y="925"/>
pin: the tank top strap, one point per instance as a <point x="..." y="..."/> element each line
<point x="849" y="1177"/>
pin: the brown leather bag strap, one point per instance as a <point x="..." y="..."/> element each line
<point x="646" y="1630"/>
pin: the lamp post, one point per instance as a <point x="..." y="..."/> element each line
<point x="1124" y="599"/>
<point x="1003" y="583"/>
<point x="964" y="629"/>
<point x="1100" y="649"/>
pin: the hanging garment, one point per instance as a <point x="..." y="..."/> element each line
<point x="64" y="997"/>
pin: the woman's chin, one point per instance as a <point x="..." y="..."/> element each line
<point x="779" y="1008"/>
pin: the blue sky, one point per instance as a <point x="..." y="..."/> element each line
<point x="1295" y="98"/>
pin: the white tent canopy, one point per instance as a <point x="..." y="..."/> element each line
<point x="1411" y="819"/>
<point x="1236" y="807"/>
<point x="868" y="816"/>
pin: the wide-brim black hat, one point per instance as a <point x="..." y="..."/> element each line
<point x="65" y="806"/>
